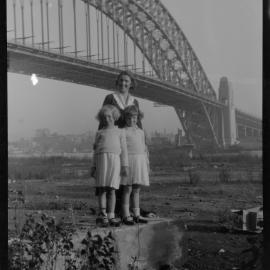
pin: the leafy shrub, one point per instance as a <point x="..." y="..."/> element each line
<point x="40" y="242"/>
<point x="98" y="252"/>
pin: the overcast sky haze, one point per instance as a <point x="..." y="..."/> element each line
<point x="226" y="35"/>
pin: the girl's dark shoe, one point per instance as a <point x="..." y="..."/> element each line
<point x="128" y="221"/>
<point x="114" y="222"/>
<point x="102" y="220"/>
<point x="140" y="219"/>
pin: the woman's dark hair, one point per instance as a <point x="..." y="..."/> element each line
<point x="129" y="74"/>
<point x="133" y="110"/>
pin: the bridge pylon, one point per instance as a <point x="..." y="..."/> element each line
<point x="228" y="112"/>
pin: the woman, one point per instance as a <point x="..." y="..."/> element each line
<point x="121" y="98"/>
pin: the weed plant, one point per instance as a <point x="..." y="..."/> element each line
<point x="42" y="241"/>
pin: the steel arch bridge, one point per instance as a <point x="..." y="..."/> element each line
<point x="95" y="39"/>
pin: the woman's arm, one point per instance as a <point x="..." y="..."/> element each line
<point x="93" y="168"/>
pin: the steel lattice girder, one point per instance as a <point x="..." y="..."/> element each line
<point x="202" y="126"/>
<point x="138" y="32"/>
<point x="160" y="40"/>
<point x="178" y="44"/>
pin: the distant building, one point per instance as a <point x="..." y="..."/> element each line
<point x="160" y="139"/>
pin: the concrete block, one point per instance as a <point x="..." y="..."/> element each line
<point x="147" y="247"/>
<point x="154" y="244"/>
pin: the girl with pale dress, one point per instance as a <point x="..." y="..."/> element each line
<point x="109" y="163"/>
<point x="138" y="170"/>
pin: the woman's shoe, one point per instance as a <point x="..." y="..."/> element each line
<point x="114" y="222"/>
<point x="140" y="219"/>
<point x="128" y="220"/>
<point x="102" y="220"/>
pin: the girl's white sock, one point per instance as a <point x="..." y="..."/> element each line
<point x="110" y="215"/>
<point x="136" y="212"/>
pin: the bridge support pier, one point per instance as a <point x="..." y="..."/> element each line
<point x="229" y="122"/>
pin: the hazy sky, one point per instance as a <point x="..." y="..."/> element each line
<point x="226" y="35"/>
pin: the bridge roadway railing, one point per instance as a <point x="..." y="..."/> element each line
<point x="248" y="117"/>
<point x="250" y="125"/>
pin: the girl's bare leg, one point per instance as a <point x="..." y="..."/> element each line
<point x="136" y="200"/>
<point x="125" y="201"/>
<point x="111" y="203"/>
<point x="102" y="200"/>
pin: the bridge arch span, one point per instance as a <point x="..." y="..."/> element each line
<point x="160" y="39"/>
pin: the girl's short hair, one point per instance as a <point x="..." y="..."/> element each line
<point x="127" y="73"/>
<point x="133" y="110"/>
<point x="115" y="112"/>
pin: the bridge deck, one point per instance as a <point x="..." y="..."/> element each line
<point x="27" y="60"/>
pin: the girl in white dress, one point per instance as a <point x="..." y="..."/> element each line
<point x="109" y="163"/>
<point x="138" y="171"/>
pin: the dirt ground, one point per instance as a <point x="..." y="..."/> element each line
<point x="210" y="241"/>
